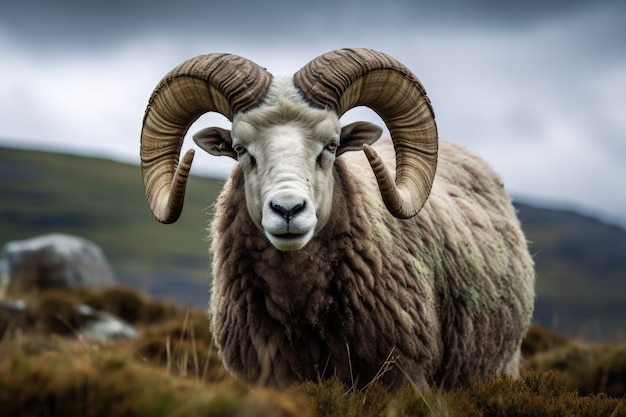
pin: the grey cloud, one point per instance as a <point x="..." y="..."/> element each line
<point x="73" y="24"/>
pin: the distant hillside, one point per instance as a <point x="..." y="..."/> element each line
<point x="581" y="262"/>
<point x="581" y="272"/>
<point x="104" y="201"/>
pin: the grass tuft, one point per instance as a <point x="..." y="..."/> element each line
<point x="173" y="370"/>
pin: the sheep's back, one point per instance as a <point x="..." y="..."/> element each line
<point x="468" y="241"/>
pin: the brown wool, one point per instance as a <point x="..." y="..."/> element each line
<point x="445" y="296"/>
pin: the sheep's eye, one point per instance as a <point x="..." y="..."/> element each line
<point x="332" y="146"/>
<point x="239" y="150"/>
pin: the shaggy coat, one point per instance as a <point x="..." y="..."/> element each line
<point x="442" y="298"/>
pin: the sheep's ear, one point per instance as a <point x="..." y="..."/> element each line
<point x="216" y="141"/>
<point x="355" y="135"/>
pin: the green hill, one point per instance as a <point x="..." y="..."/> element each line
<point x="103" y="201"/>
<point x="581" y="262"/>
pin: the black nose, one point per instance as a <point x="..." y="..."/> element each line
<point x="287" y="212"/>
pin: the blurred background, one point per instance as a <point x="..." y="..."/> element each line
<point x="537" y="88"/>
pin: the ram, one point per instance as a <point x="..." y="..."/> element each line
<point x="401" y="264"/>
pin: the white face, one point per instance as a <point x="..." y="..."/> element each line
<point x="288" y="174"/>
<point x="287" y="150"/>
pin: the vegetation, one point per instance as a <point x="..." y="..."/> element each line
<point x="173" y="370"/>
<point x="48" y="369"/>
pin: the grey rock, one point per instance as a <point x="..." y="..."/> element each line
<point x="101" y="326"/>
<point x="95" y="325"/>
<point x="55" y="261"/>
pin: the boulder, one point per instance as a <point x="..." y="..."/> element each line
<point x="55" y="261"/>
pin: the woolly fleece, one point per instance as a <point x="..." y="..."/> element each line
<point x="439" y="299"/>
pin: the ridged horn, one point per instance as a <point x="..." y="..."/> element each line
<point x="222" y="83"/>
<point x="346" y="78"/>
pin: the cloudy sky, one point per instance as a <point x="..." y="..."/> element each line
<point x="538" y="88"/>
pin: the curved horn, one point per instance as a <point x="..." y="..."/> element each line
<point x="346" y="78"/>
<point x="216" y="82"/>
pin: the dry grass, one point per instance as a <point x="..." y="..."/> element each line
<point x="173" y="370"/>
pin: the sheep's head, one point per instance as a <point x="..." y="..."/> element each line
<point x="286" y="150"/>
<point x="286" y="135"/>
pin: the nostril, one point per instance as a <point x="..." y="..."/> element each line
<point x="287" y="212"/>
